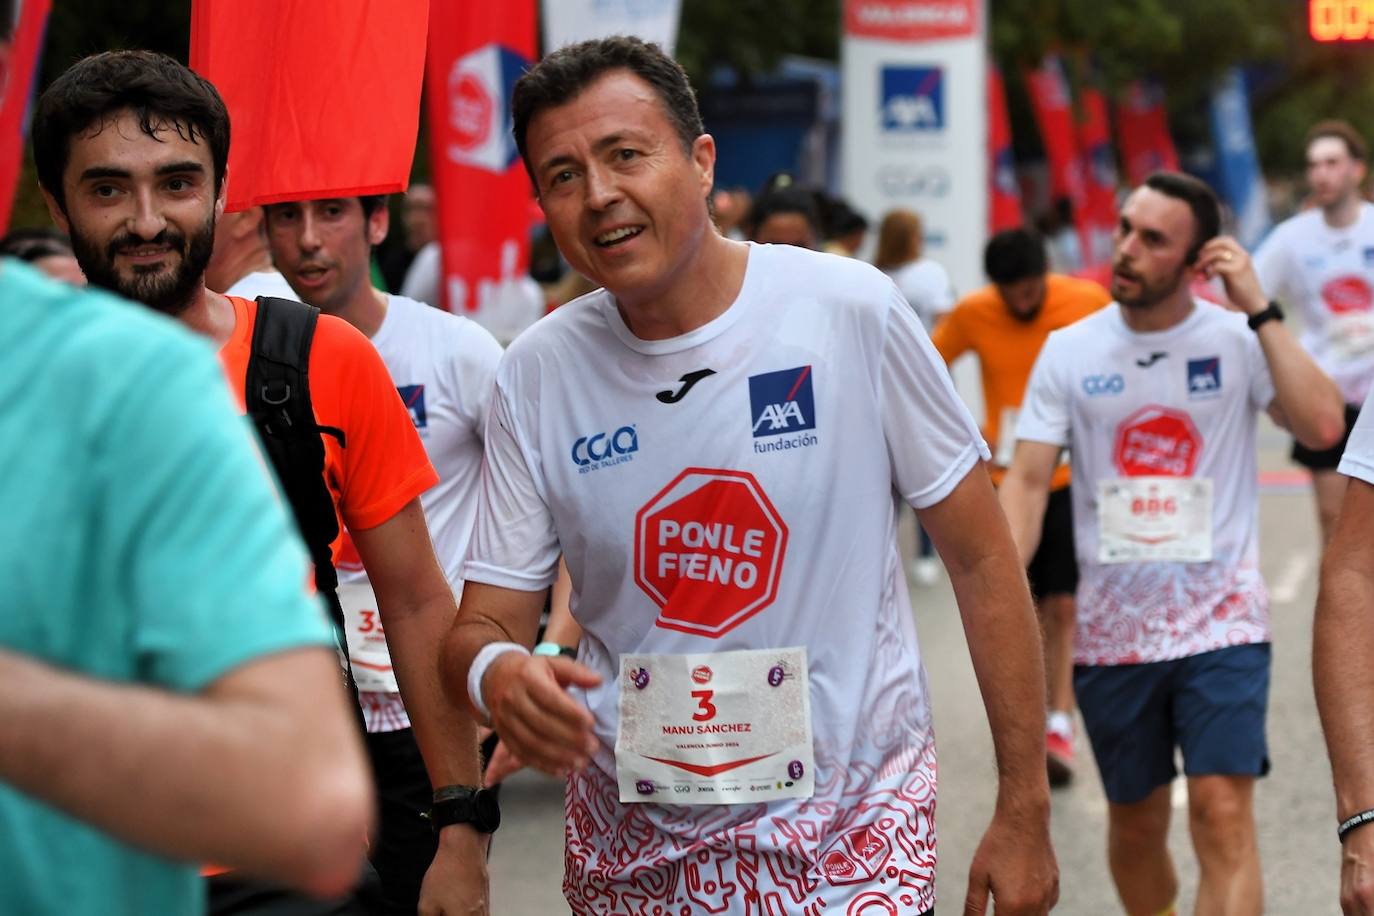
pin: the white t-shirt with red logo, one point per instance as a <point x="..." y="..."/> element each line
<point x="1329" y="275"/>
<point x="444" y="367"/>
<point x="736" y="488"/>
<point x="1176" y="409"/>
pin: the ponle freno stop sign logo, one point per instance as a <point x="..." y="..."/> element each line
<point x="708" y="550"/>
<point x="1157" y="442"/>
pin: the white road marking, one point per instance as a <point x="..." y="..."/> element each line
<point x="1289" y="581"/>
<point x="1178" y="794"/>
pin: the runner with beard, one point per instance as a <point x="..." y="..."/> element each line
<point x="1005" y="324"/>
<point x="1321" y="262"/>
<point x="131" y="149"/>
<point x="1157" y="397"/>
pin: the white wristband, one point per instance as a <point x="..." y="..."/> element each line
<point x="490" y="653"/>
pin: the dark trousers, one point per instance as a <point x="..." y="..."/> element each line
<point x="405" y="843"/>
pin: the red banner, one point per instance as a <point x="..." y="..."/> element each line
<point x="1004" y="194"/>
<point x="25" y="45"/>
<point x="476" y="53"/>
<point x="1053" y="107"/>
<point x="911" y="20"/>
<point x="1142" y="129"/>
<point x="324" y="98"/>
<point x="1096" y="217"/>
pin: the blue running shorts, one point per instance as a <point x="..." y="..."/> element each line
<point x="1211" y="706"/>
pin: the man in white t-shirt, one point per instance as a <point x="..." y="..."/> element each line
<point x="1156" y="396"/>
<point x="443" y="366"/>
<point x="1322" y="263"/>
<point x="1343" y="643"/>
<point x="717" y="442"/>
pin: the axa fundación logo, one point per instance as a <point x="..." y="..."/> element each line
<point x="782" y="403"/>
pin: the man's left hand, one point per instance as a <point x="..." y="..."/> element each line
<point x="1224" y="257"/>
<point x="456" y="883"/>
<point x="1015" y="863"/>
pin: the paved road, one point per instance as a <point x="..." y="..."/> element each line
<point x="1295" y="808"/>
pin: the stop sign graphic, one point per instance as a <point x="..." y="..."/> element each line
<point x="709" y="550"/>
<point x="1159" y="442"/>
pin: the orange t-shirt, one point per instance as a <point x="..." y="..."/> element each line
<point x="1007" y="347"/>
<point x="381" y="465"/>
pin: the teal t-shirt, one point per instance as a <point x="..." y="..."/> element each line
<point x="141" y="540"/>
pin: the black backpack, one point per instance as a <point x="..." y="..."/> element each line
<point x="277" y="396"/>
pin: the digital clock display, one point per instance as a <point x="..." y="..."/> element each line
<point x="1340" y="20"/>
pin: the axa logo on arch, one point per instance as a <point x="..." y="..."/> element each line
<point x="709" y="550"/>
<point x="605" y="449"/>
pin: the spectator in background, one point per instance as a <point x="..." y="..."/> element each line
<point x="420" y="225"/>
<point x="46" y="249"/>
<point x="241" y="265"/>
<point x="923" y="282"/>
<point x="786" y="216"/>
<point x="845" y="229"/>
<point x="731" y="209"/>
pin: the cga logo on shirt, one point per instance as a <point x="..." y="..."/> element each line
<point x="605" y="450"/>
<point x="708" y="551"/>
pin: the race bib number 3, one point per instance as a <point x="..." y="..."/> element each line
<point x="1145" y="519"/>
<point x="718" y="728"/>
<point x="366" y="639"/>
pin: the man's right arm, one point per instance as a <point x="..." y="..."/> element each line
<point x="1342" y="646"/>
<point x="1025" y="492"/>
<point x="525" y="695"/>
<point x="185" y="775"/>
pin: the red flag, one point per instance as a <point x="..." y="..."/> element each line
<point x="324" y="98"/>
<point x="1053" y="107"/>
<point x="476" y="52"/>
<point x="25" y="45"/>
<point x="1096" y="218"/>
<point x="1142" y="129"/>
<point x="1004" y="195"/>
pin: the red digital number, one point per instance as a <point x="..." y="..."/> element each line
<point x="1340" y="20"/>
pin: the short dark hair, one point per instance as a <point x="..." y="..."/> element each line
<point x="9" y="10"/>
<point x="563" y="75"/>
<point x="33" y="244"/>
<point x="1014" y="254"/>
<point x="1341" y="130"/>
<point x="789" y="199"/>
<point x="1200" y="198"/>
<point x="161" y="93"/>
<point x="371" y="203"/>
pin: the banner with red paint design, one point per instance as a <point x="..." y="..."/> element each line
<point x="1142" y="130"/>
<point x="476" y="53"/>
<point x="1004" y="194"/>
<point x="25" y="43"/>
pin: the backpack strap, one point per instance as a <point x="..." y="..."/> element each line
<point x="277" y="395"/>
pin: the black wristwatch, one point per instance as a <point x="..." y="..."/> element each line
<point x="465" y="805"/>
<point x="1272" y="313"/>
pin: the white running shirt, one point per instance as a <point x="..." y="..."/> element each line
<point x="825" y="406"/>
<point x="926" y="285"/>
<point x="1179" y="403"/>
<point x="1358" y="460"/>
<point x="1328" y="274"/>
<point x="444" y="367"/>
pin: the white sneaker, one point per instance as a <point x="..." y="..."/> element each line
<point x="926" y="571"/>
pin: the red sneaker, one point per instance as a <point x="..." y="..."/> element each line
<point x="1059" y="758"/>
